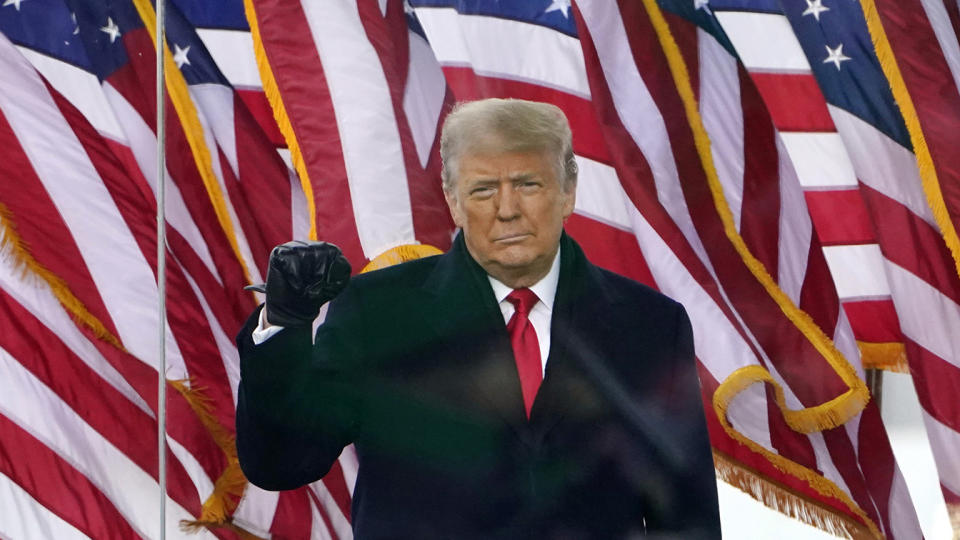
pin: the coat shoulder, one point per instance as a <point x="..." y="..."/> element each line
<point x="623" y="290"/>
<point x="397" y="277"/>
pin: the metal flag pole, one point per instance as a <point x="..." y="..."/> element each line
<point x="161" y="274"/>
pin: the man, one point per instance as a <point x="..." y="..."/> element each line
<point x="505" y="389"/>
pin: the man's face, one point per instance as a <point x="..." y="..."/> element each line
<point x="511" y="207"/>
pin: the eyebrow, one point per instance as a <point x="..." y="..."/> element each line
<point x="489" y="181"/>
<point x="483" y="182"/>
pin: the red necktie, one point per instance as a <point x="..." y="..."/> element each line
<point x="526" y="348"/>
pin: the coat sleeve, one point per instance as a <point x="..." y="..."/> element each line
<point x="297" y="401"/>
<point x="695" y="512"/>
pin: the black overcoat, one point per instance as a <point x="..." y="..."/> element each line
<point x="413" y="365"/>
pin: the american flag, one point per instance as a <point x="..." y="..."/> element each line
<point x="920" y="54"/>
<point x="79" y="270"/>
<point x="770" y="233"/>
<point x="881" y="107"/>
<point x="80" y="394"/>
<point x="357" y="75"/>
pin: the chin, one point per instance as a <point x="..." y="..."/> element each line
<point x="517" y="268"/>
<point x="513" y="264"/>
<point x="515" y="257"/>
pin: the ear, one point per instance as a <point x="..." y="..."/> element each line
<point x="569" y="201"/>
<point x="454" y="205"/>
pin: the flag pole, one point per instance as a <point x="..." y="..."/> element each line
<point x="161" y="273"/>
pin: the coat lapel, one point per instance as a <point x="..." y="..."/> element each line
<point x="465" y="315"/>
<point x="579" y="306"/>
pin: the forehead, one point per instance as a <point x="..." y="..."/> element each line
<point x="509" y="164"/>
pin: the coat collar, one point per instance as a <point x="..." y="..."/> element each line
<point x="457" y="270"/>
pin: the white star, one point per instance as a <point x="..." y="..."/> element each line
<point x="836" y="56"/>
<point x="559" y="5"/>
<point x="76" y="29"/>
<point x="14" y="3"/>
<point x="111" y="29"/>
<point x="702" y="4"/>
<point x="180" y="55"/>
<point x="815" y="8"/>
<point x="407" y="8"/>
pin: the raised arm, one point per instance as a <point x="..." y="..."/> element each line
<point x="295" y="409"/>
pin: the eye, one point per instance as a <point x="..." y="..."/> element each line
<point x="482" y="192"/>
<point x="529" y="186"/>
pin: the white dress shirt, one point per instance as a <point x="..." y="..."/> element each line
<point x="264" y="330"/>
<point x="540" y="315"/>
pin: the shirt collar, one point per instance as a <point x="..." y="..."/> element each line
<point x="545" y="289"/>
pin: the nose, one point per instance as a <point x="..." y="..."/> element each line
<point x="508" y="203"/>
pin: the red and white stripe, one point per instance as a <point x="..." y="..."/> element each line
<point x="224" y="306"/>
<point x="925" y="45"/>
<point x="759" y="183"/>
<point x="780" y="71"/>
<point x="924" y="42"/>
<point x="66" y="209"/>
<point x="773" y="57"/>
<point x="357" y="102"/>
<point x="890" y="265"/>
<point x="783" y="243"/>
<point x="113" y="161"/>
<point x="79" y="436"/>
<point x="134" y="145"/>
<point x="258" y="187"/>
<point x="926" y="290"/>
<point x="233" y="53"/>
<point x="91" y="223"/>
<point x="822" y="167"/>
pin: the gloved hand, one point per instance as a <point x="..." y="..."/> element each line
<point x="302" y="276"/>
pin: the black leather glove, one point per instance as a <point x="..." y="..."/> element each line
<point x="302" y="276"/>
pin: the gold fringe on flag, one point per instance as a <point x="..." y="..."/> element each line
<point x="744" y="377"/>
<point x="194" y="527"/>
<point x="187" y="113"/>
<point x="272" y="91"/>
<point x="808" y="420"/>
<point x="886" y="356"/>
<point x="824" y="416"/>
<point x="776" y="496"/>
<point x="14" y="247"/>
<point x="953" y="510"/>
<point x="228" y="488"/>
<point x="928" y="173"/>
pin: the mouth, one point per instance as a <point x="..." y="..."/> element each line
<point x="512" y="238"/>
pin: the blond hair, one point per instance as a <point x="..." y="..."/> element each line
<point x="508" y="125"/>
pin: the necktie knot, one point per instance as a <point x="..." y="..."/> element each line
<point x="523" y="300"/>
